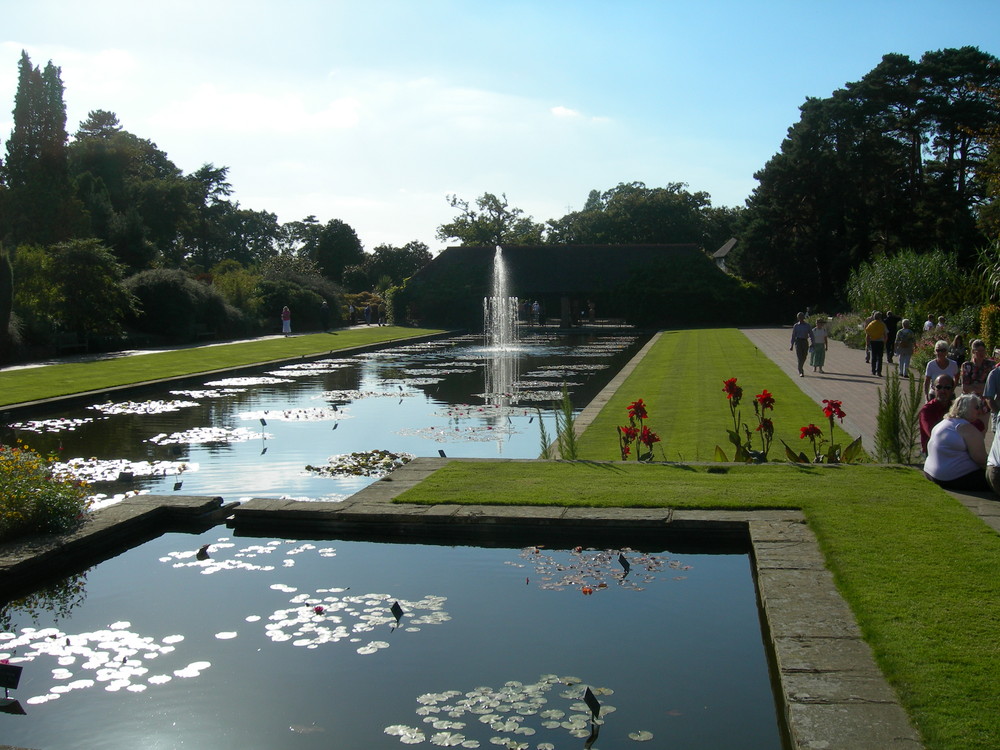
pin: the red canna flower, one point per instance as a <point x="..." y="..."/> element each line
<point x="648" y="437"/>
<point x="765" y="399"/>
<point x="832" y="409"/>
<point x="733" y="392"/>
<point x="629" y="433"/>
<point x="637" y="410"/>
<point x="766" y="426"/>
<point x="810" y="431"/>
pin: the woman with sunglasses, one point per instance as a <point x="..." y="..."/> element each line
<point x="940" y="365"/>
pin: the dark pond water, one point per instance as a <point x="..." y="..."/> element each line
<point x="274" y="643"/>
<point x="420" y="399"/>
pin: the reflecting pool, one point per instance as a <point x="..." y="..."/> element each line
<point x="254" y="435"/>
<point x="216" y="641"/>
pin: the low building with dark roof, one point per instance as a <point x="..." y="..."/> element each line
<point x="573" y="283"/>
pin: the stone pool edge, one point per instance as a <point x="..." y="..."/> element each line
<point x="833" y="695"/>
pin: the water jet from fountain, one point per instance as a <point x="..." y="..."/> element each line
<point x="500" y="329"/>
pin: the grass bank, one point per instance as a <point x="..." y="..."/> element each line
<point x="31" y="384"/>
<point x="919" y="571"/>
<point x="680" y="381"/>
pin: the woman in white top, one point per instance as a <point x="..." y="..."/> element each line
<point x="940" y="365"/>
<point x="956" y="452"/>
<point x="819" y="345"/>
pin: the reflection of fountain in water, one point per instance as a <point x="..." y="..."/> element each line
<point x="500" y="328"/>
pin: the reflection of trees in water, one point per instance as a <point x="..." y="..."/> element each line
<point x="56" y="601"/>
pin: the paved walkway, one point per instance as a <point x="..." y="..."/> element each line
<point x="847" y="379"/>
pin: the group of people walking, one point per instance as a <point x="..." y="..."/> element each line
<point x="887" y="336"/>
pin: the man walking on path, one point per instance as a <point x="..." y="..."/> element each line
<point x="801" y="338"/>
<point x="877" y="335"/>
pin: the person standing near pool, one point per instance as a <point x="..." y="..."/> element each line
<point x="801" y="339"/>
<point x="286" y="321"/>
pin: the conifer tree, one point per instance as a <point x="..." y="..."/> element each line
<point x="40" y="206"/>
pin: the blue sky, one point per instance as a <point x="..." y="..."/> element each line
<point x="372" y="112"/>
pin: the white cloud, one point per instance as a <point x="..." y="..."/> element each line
<point x="212" y="108"/>
<point x="564" y="112"/>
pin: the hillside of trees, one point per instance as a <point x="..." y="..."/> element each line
<point x="104" y="242"/>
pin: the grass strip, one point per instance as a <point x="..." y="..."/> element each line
<point x="919" y="571"/>
<point x="31" y="384"/>
<point x="680" y="381"/>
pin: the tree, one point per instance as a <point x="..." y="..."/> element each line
<point x="387" y="266"/>
<point x="99" y="124"/>
<point x="333" y="246"/>
<point x="204" y="236"/>
<point x="632" y="213"/>
<point x="137" y="199"/>
<point x="39" y="205"/>
<point x="73" y="286"/>
<point x="493" y="222"/>
<point x="886" y="163"/>
<point x="6" y="300"/>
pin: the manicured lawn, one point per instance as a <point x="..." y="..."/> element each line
<point x="680" y="381"/>
<point x="18" y="386"/>
<point x="920" y="572"/>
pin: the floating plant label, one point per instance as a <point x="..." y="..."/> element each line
<point x="10" y="676"/>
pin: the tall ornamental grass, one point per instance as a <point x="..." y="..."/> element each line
<point x="907" y="283"/>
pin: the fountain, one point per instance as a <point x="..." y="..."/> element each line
<point x="500" y="310"/>
<point x="500" y="330"/>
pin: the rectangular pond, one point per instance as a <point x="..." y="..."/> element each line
<point x="256" y="432"/>
<point x="219" y="641"/>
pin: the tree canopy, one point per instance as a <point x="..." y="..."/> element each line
<point x="493" y="221"/>
<point x="892" y="161"/>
